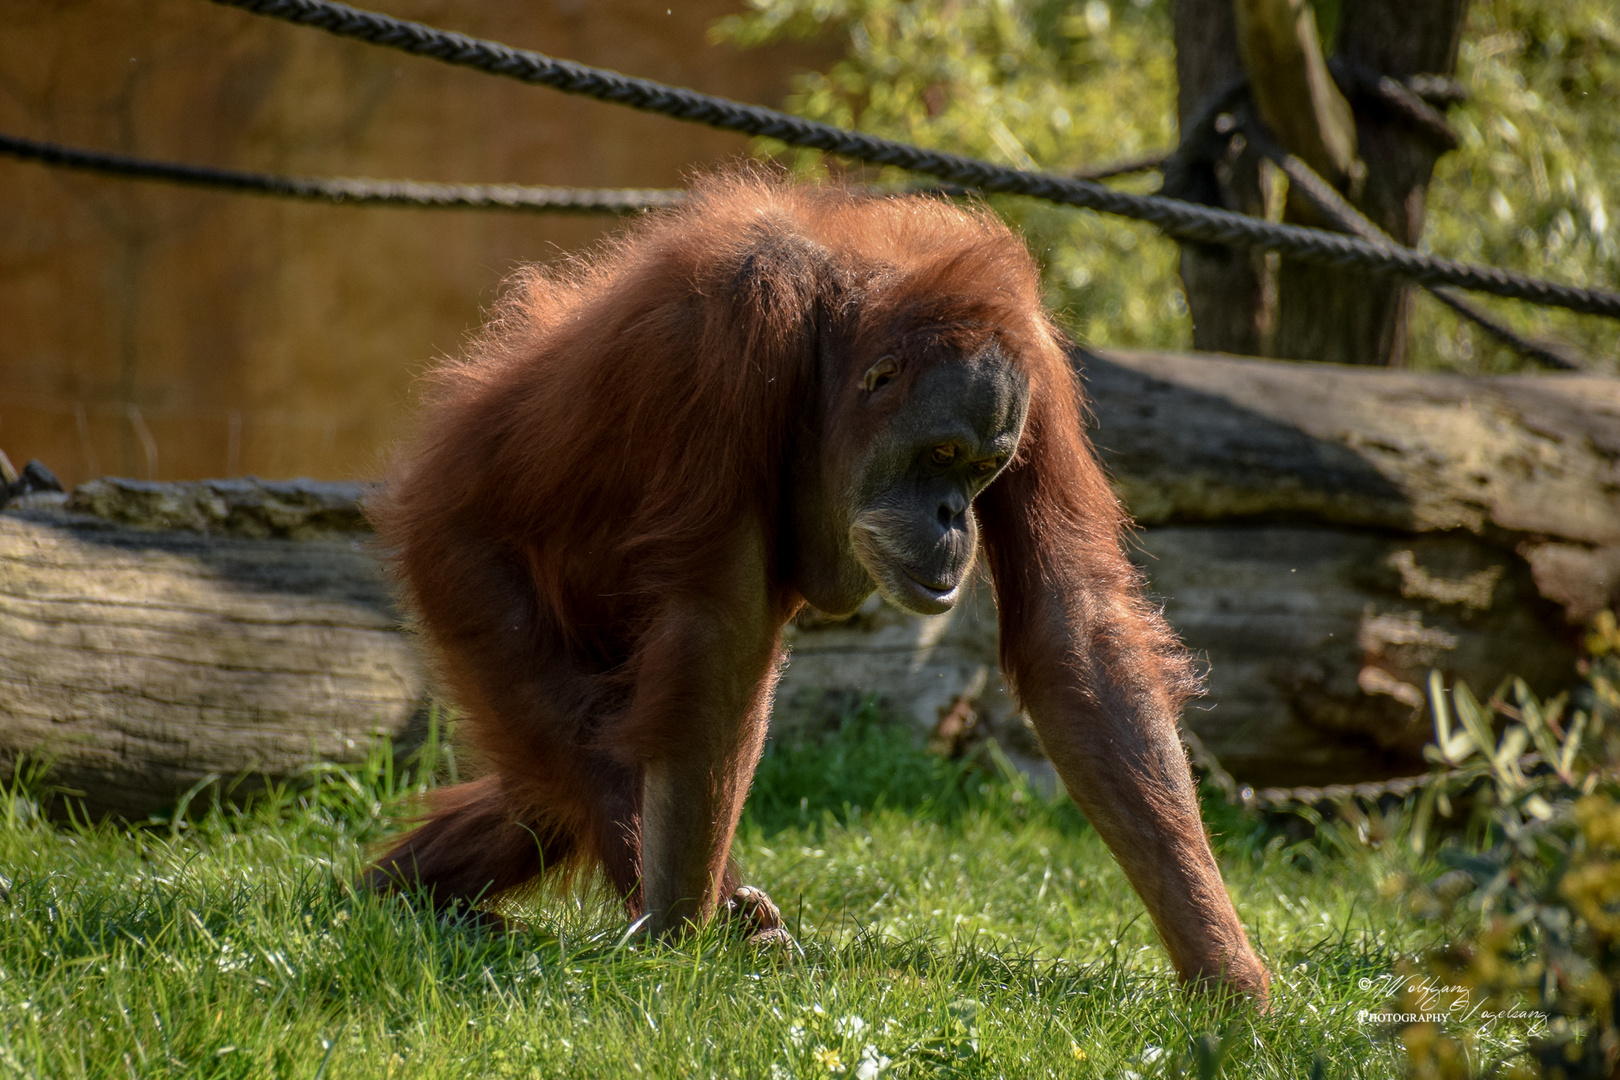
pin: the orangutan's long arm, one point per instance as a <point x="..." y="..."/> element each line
<point x="1103" y="678"/>
<point x="698" y="722"/>
<point x="1108" y="726"/>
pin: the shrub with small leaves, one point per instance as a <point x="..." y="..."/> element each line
<point x="1531" y="899"/>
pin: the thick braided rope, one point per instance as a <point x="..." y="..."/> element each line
<point x="1330" y="799"/>
<point x="1186" y="221"/>
<point x="411" y="193"/>
<point x="1326" y="199"/>
<point x="347" y="189"/>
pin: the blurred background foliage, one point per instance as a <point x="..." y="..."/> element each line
<point x="1529" y="905"/>
<point x="1535" y="185"/>
<point x="1062" y="85"/>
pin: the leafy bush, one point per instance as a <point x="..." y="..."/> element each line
<point x="1531" y="899"/>
<point x="1536" y="181"/>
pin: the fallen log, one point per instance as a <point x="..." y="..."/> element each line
<point x="155" y="635"/>
<point x="1321" y="535"/>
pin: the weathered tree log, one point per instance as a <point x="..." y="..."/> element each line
<point x="1523" y="463"/>
<point x="233" y="629"/>
<point x="1322" y="535"/>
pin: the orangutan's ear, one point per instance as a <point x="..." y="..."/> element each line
<point x="880" y="373"/>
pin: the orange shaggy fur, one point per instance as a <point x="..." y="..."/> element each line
<point x="585" y="463"/>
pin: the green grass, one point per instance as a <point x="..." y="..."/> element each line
<point x="952" y="922"/>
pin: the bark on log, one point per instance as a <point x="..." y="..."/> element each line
<point x="139" y="654"/>
<point x="1322" y="535"/>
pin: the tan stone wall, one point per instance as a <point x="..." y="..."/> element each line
<point x="165" y="332"/>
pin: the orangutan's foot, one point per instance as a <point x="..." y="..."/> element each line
<point x="751" y="912"/>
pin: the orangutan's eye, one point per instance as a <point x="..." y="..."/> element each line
<point x="942" y="455"/>
<point x="987" y="466"/>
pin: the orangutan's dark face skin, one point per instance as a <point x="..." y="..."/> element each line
<point x="900" y="509"/>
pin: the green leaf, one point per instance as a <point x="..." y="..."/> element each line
<point x="1423" y="815"/>
<point x="1474" y="717"/>
<point x="1535" y="723"/>
<point x="1572" y="743"/>
<point x="1453" y="748"/>
<point x="1507" y="756"/>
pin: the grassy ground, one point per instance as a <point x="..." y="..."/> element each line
<point x="952" y="922"/>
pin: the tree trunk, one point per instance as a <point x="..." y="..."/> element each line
<point x="1348" y="318"/>
<point x="1296" y="311"/>
<point x="1230" y="294"/>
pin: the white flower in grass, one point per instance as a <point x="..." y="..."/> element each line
<point x="849" y="1026"/>
<point x="1150" y="1054"/>
<point x="871" y="1064"/>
